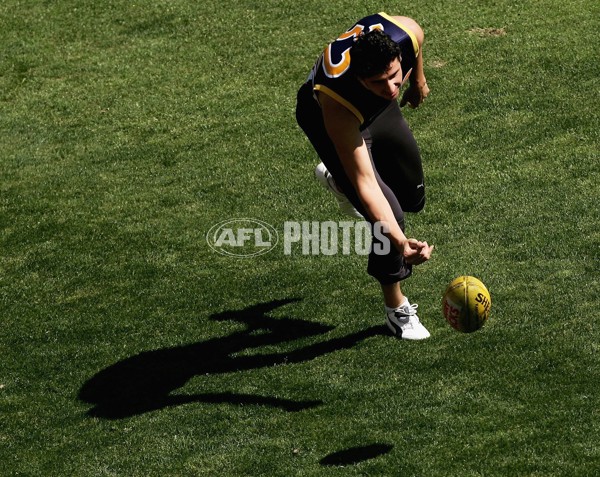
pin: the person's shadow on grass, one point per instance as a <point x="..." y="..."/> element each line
<point x="146" y="382"/>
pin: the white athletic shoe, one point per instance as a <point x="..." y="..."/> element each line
<point x="405" y="324"/>
<point x="326" y="180"/>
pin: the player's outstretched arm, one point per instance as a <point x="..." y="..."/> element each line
<point x="343" y="129"/>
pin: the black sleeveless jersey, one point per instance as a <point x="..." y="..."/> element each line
<point x="331" y="73"/>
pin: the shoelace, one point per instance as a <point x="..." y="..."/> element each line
<point x="408" y="312"/>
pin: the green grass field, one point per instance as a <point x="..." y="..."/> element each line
<point x="128" y="347"/>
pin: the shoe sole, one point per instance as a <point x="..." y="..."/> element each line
<point x="322" y="178"/>
<point x="344" y="204"/>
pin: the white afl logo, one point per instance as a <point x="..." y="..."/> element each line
<point x="242" y="237"/>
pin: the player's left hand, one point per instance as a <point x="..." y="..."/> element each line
<point x="415" y="95"/>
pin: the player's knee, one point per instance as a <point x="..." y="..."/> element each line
<point x="415" y="206"/>
<point x="420" y="206"/>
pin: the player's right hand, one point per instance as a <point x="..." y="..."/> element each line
<point x="417" y="252"/>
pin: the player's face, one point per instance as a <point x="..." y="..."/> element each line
<point x="387" y="84"/>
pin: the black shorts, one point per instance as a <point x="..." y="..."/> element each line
<point x="396" y="162"/>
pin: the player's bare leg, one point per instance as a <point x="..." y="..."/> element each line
<point x="392" y="295"/>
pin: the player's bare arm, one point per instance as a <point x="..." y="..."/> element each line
<point x="343" y="129"/>
<point x="418" y="90"/>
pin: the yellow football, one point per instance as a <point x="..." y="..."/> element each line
<point x="466" y="304"/>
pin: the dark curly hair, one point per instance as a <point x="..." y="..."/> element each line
<point x="372" y="54"/>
